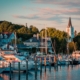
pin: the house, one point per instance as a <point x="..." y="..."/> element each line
<point x="39" y="43"/>
<point x="6" y="37"/>
<point x="32" y="42"/>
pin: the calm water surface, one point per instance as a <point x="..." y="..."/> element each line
<point x="59" y="73"/>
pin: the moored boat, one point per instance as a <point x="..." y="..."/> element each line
<point x="22" y="66"/>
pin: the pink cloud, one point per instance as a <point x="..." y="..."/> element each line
<point x="59" y="2"/>
<point x="51" y="11"/>
<point x="49" y="14"/>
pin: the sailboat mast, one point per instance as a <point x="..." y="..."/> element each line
<point x="45" y="40"/>
<point x="42" y="42"/>
<point x="15" y="42"/>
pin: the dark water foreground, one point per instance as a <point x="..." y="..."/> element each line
<point x="58" y="73"/>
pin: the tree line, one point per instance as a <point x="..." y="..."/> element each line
<point x="59" y="38"/>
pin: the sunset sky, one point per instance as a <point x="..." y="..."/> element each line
<point x="41" y="13"/>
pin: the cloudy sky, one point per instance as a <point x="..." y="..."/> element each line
<point x="41" y="13"/>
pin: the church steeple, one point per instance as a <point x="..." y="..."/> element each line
<point x="69" y="23"/>
<point x="70" y="30"/>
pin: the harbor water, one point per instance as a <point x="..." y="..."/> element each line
<point x="71" y="72"/>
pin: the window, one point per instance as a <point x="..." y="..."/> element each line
<point x="1" y="36"/>
<point x="30" y="40"/>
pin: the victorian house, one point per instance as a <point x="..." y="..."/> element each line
<point x="6" y="37"/>
<point x="41" y="44"/>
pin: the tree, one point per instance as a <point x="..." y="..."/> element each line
<point x="71" y="47"/>
<point x="33" y="29"/>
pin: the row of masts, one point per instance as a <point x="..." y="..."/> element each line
<point x="46" y="43"/>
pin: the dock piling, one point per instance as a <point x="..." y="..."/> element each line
<point x="45" y="63"/>
<point x="26" y="69"/>
<point x="10" y="71"/>
<point x="35" y="68"/>
<point x="19" y="70"/>
<point x="41" y="64"/>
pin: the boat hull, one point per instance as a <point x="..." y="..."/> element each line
<point x="22" y="66"/>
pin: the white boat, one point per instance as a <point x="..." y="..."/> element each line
<point x="14" y="60"/>
<point x="23" y="66"/>
<point x="64" y="62"/>
<point x="3" y="66"/>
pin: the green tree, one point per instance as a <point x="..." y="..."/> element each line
<point x="33" y="29"/>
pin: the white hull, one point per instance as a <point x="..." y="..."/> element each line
<point x="23" y="66"/>
<point x="63" y="62"/>
<point x="3" y="66"/>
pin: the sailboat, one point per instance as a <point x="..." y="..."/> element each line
<point x="22" y="66"/>
<point x="46" y="45"/>
<point x="22" y="60"/>
<point x="12" y="57"/>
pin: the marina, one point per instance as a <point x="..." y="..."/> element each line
<point x="39" y="40"/>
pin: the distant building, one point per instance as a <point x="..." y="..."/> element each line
<point x="38" y="42"/>
<point x="70" y="31"/>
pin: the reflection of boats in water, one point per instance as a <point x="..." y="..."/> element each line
<point x="74" y="62"/>
<point x="4" y="77"/>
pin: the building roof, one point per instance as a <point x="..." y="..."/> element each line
<point x="5" y="33"/>
<point x="33" y="39"/>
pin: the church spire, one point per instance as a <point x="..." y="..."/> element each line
<point x="69" y="23"/>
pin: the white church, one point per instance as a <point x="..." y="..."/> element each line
<point x="70" y="31"/>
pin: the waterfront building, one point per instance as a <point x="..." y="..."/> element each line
<point x="41" y="44"/>
<point x="70" y="31"/>
<point x="6" y="37"/>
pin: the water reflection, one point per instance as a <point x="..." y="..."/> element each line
<point x="53" y="73"/>
<point x="41" y="74"/>
<point x="4" y="77"/>
<point x="44" y="76"/>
